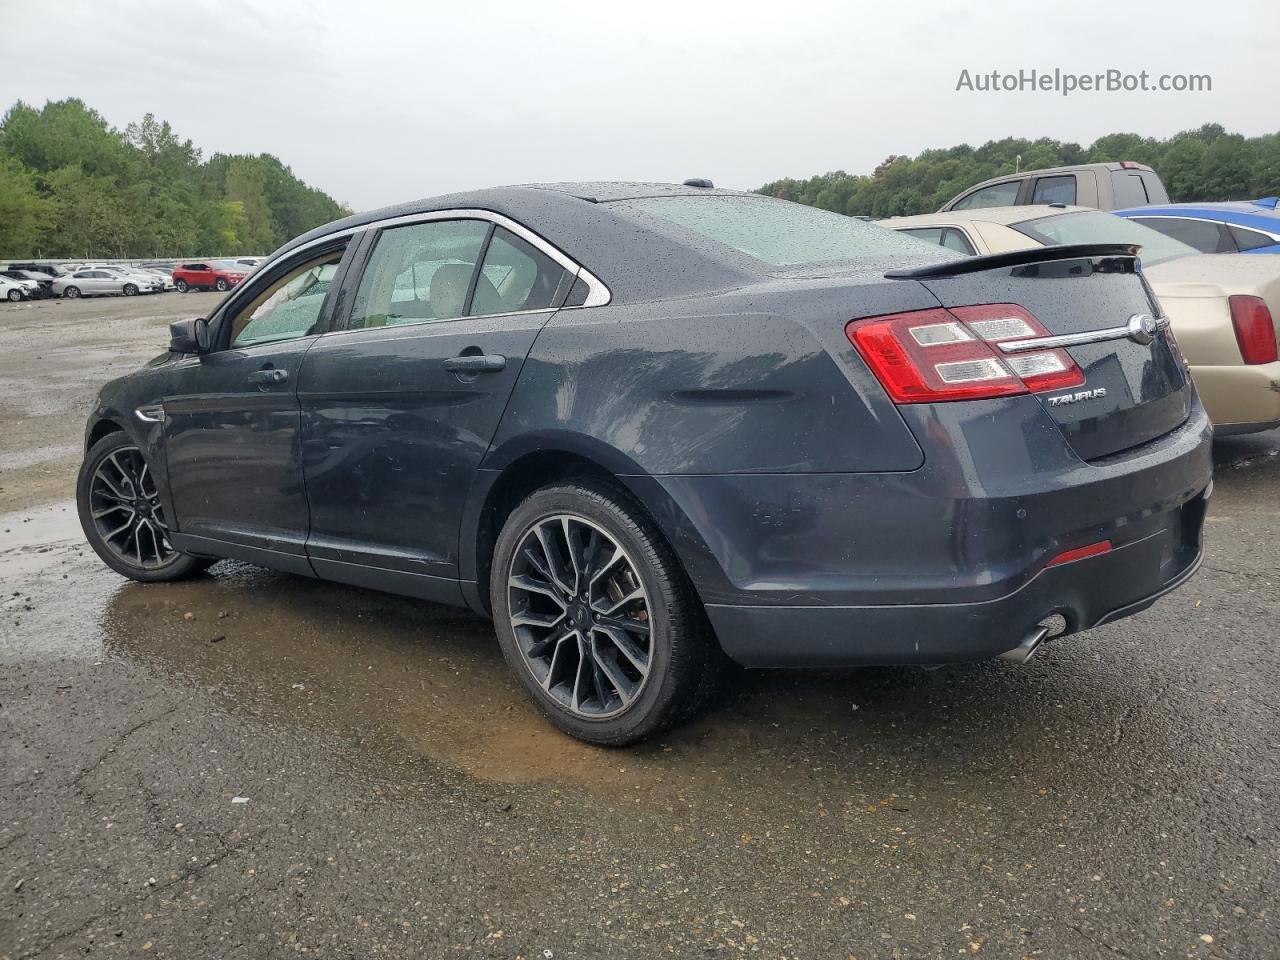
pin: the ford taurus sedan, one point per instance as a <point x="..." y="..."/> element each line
<point x="648" y="427"/>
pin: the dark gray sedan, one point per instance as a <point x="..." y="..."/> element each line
<point x="648" y="428"/>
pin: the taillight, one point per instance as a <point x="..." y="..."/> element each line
<point x="929" y="356"/>
<point x="1255" y="331"/>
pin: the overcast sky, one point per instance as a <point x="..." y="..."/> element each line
<point x="378" y="102"/>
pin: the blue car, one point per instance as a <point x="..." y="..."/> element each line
<point x="1245" y="226"/>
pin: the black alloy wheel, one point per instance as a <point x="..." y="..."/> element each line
<point x="596" y="617"/>
<point x="123" y="517"/>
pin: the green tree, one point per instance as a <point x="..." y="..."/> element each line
<point x="71" y="185"/>
<point x="26" y="216"/>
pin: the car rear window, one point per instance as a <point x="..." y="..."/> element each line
<point x="775" y="232"/>
<point x="1097" y="227"/>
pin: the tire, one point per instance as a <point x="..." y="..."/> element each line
<point x="181" y="285"/>
<point x="130" y="290"/>
<point x="14" y="295"/>
<point x="588" y="684"/>
<point x="71" y="293"/>
<point x="114" y="483"/>
<point x="222" y="286"/>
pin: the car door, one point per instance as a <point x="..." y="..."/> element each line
<point x="98" y="281"/>
<point x="199" y="275"/>
<point x="399" y="406"/>
<point x="232" y="423"/>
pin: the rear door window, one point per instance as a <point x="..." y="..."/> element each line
<point x="1055" y="189"/>
<point x="1207" y="236"/>
<point x="949" y="237"/>
<point x="515" y="276"/>
<point x="1130" y="189"/>
<point x="419" y="272"/>
<point x="997" y="195"/>
<point x="1247" y="239"/>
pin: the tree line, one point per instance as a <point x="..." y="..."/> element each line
<point x="71" y="186"/>
<point x="1203" y="164"/>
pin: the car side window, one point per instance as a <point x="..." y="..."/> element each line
<point x="1247" y="239"/>
<point x="515" y="276"/>
<point x="1055" y="189"/>
<point x="288" y="307"/>
<point x="948" y="237"/>
<point x="1207" y="236"/>
<point x="956" y="240"/>
<point x="997" y="195"/>
<point x="421" y="271"/>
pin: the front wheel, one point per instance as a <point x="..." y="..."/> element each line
<point x="122" y="516"/>
<point x="130" y="290"/>
<point x="181" y="285"/>
<point x="222" y="285"/>
<point x="14" y="295"/>
<point x="71" y="292"/>
<point x="596" y="618"/>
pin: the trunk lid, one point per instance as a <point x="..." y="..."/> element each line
<point x="1134" y="391"/>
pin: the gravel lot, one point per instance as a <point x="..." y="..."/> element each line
<point x="255" y="765"/>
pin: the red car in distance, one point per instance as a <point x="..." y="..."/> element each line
<point x="208" y="275"/>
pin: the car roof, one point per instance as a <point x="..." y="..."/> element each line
<point x="1001" y="215"/>
<point x="1049" y="171"/>
<point x="531" y="199"/>
<point x="576" y="218"/>
<point x="1243" y="212"/>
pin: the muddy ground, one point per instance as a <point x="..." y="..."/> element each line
<point x="257" y="765"/>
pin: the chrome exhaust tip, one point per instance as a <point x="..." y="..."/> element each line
<point x="1028" y="647"/>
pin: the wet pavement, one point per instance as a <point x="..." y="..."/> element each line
<point x="253" y="765"/>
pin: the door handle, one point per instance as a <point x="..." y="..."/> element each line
<point x="476" y="363"/>
<point x="268" y="376"/>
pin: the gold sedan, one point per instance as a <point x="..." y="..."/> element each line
<point x="1223" y="308"/>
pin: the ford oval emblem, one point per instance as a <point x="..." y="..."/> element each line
<point x="1143" y="328"/>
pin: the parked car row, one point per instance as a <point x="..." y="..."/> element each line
<point x="33" y="281"/>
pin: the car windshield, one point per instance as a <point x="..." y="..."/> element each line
<point x="776" y="232"/>
<point x="1091" y="226"/>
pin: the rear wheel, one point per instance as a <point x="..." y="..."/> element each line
<point x="122" y="516"/>
<point x="181" y="285"/>
<point x="222" y="284"/>
<point x="71" y="292"/>
<point x="596" y="618"/>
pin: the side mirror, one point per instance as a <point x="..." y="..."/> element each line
<point x="189" y="336"/>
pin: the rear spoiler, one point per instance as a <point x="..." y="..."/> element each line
<point x="1017" y="258"/>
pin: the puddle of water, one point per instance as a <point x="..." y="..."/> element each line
<point x="407" y="681"/>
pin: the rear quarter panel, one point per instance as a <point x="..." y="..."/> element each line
<point x="755" y="381"/>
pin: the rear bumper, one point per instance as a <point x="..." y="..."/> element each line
<point x="1086" y="593"/>
<point x="946" y="563"/>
